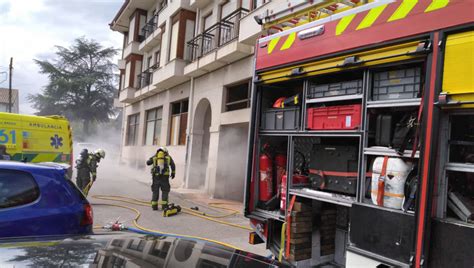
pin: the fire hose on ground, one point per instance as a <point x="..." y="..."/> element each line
<point x="144" y="230"/>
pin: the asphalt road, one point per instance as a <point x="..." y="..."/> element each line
<point x="115" y="181"/>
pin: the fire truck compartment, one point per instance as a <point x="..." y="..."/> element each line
<point x="270" y="169"/>
<point x="281" y="106"/>
<point x="348" y="83"/>
<point x="451" y="245"/>
<point x="385" y="232"/>
<point x="404" y="83"/>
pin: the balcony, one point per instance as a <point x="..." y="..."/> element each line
<point x="121" y="64"/>
<point x="131" y="48"/>
<point x="144" y="79"/>
<point x="170" y="75"/>
<point x="217" y="45"/>
<point x="199" y="3"/>
<point x="127" y="95"/>
<point x="151" y="32"/>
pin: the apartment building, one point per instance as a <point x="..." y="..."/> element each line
<point x="5" y="100"/>
<point x="185" y="82"/>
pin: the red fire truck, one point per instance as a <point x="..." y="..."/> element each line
<point x="371" y="105"/>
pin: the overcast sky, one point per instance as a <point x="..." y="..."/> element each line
<point x="29" y="29"/>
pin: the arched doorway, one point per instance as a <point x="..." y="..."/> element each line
<point x="200" y="145"/>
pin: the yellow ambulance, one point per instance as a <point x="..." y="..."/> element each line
<point x="36" y="138"/>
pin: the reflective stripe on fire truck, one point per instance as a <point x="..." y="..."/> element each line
<point x="343" y="23"/>
<point x="437" y="4"/>
<point x="403" y="10"/>
<point x="400" y="13"/>
<point x="371" y="17"/>
<point x="290" y="39"/>
<point x="272" y="44"/>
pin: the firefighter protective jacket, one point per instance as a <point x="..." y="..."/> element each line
<point x="162" y="163"/>
<point x="87" y="167"/>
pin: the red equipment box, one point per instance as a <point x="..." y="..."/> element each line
<point x="334" y="117"/>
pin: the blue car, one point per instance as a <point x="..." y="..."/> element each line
<point x="39" y="199"/>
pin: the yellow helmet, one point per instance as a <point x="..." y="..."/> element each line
<point x="100" y="153"/>
<point x="162" y="149"/>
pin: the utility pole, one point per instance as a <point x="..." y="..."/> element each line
<point x="10" y="87"/>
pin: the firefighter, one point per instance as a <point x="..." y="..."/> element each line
<point x="86" y="167"/>
<point x="162" y="168"/>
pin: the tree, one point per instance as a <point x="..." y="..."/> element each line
<point x="81" y="83"/>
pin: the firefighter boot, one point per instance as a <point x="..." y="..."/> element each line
<point x="164" y="204"/>
<point x="154" y="205"/>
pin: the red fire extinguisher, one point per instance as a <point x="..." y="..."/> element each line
<point x="266" y="177"/>
<point x="280" y="168"/>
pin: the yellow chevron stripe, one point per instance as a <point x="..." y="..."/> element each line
<point x="371" y="17"/>
<point x="272" y="44"/>
<point x="343" y="23"/>
<point x="289" y="41"/>
<point x="45" y="157"/>
<point x="403" y="10"/>
<point x="436" y="4"/>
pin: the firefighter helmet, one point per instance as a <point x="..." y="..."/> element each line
<point x="84" y="152"/>
<point x="100" y="153"/>
<point x="162" y="149"/>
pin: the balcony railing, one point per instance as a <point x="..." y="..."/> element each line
<point x="217" y="35"/>
<point x="144" y="79"/>
<point x="152" y="23"/>
<point x="150" y="26"/>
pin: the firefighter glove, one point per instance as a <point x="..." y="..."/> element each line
<point x="172" y="176"/>
<point x="94" y="177"/>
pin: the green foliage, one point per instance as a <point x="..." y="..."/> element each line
<point x="81" y="83"/>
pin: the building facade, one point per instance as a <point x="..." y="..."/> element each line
<point x="5" y="100"/>
<point x="185" y="82"/>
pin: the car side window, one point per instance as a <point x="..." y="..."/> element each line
<point x="17" y="188"/>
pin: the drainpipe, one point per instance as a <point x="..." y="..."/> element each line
<point x="187" y="159"/>
<point x="189" y="127"/>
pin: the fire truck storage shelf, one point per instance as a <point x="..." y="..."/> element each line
<point x="382" y="151"/>
<point x="394" y="103"/>
<point x="334" y="198"/>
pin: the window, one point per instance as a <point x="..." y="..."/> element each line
<point x="162" y="5"/>
<point x="208" y="39"/>
<point x="206" y="21"/>
<point x="148" y="62"/>
<point x="227" y="8"/>
<point x="17" y="188"/>
<point x="258" y="3"/>
<point x="137" y="245"/>
<point x="117" y="262"/>
<point x="179" y="121"/>
<point x="460" y="168"/>
<point x="160" y="252"/>
<point x="131" y="33"/>
<point x="132" y="129"/>
<point x="157" y="58"/>
<point x="117" y="243"/>
<point x="237" y="96"/>
<point x="153" y="126"/>
<point x="174" y="41"/>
